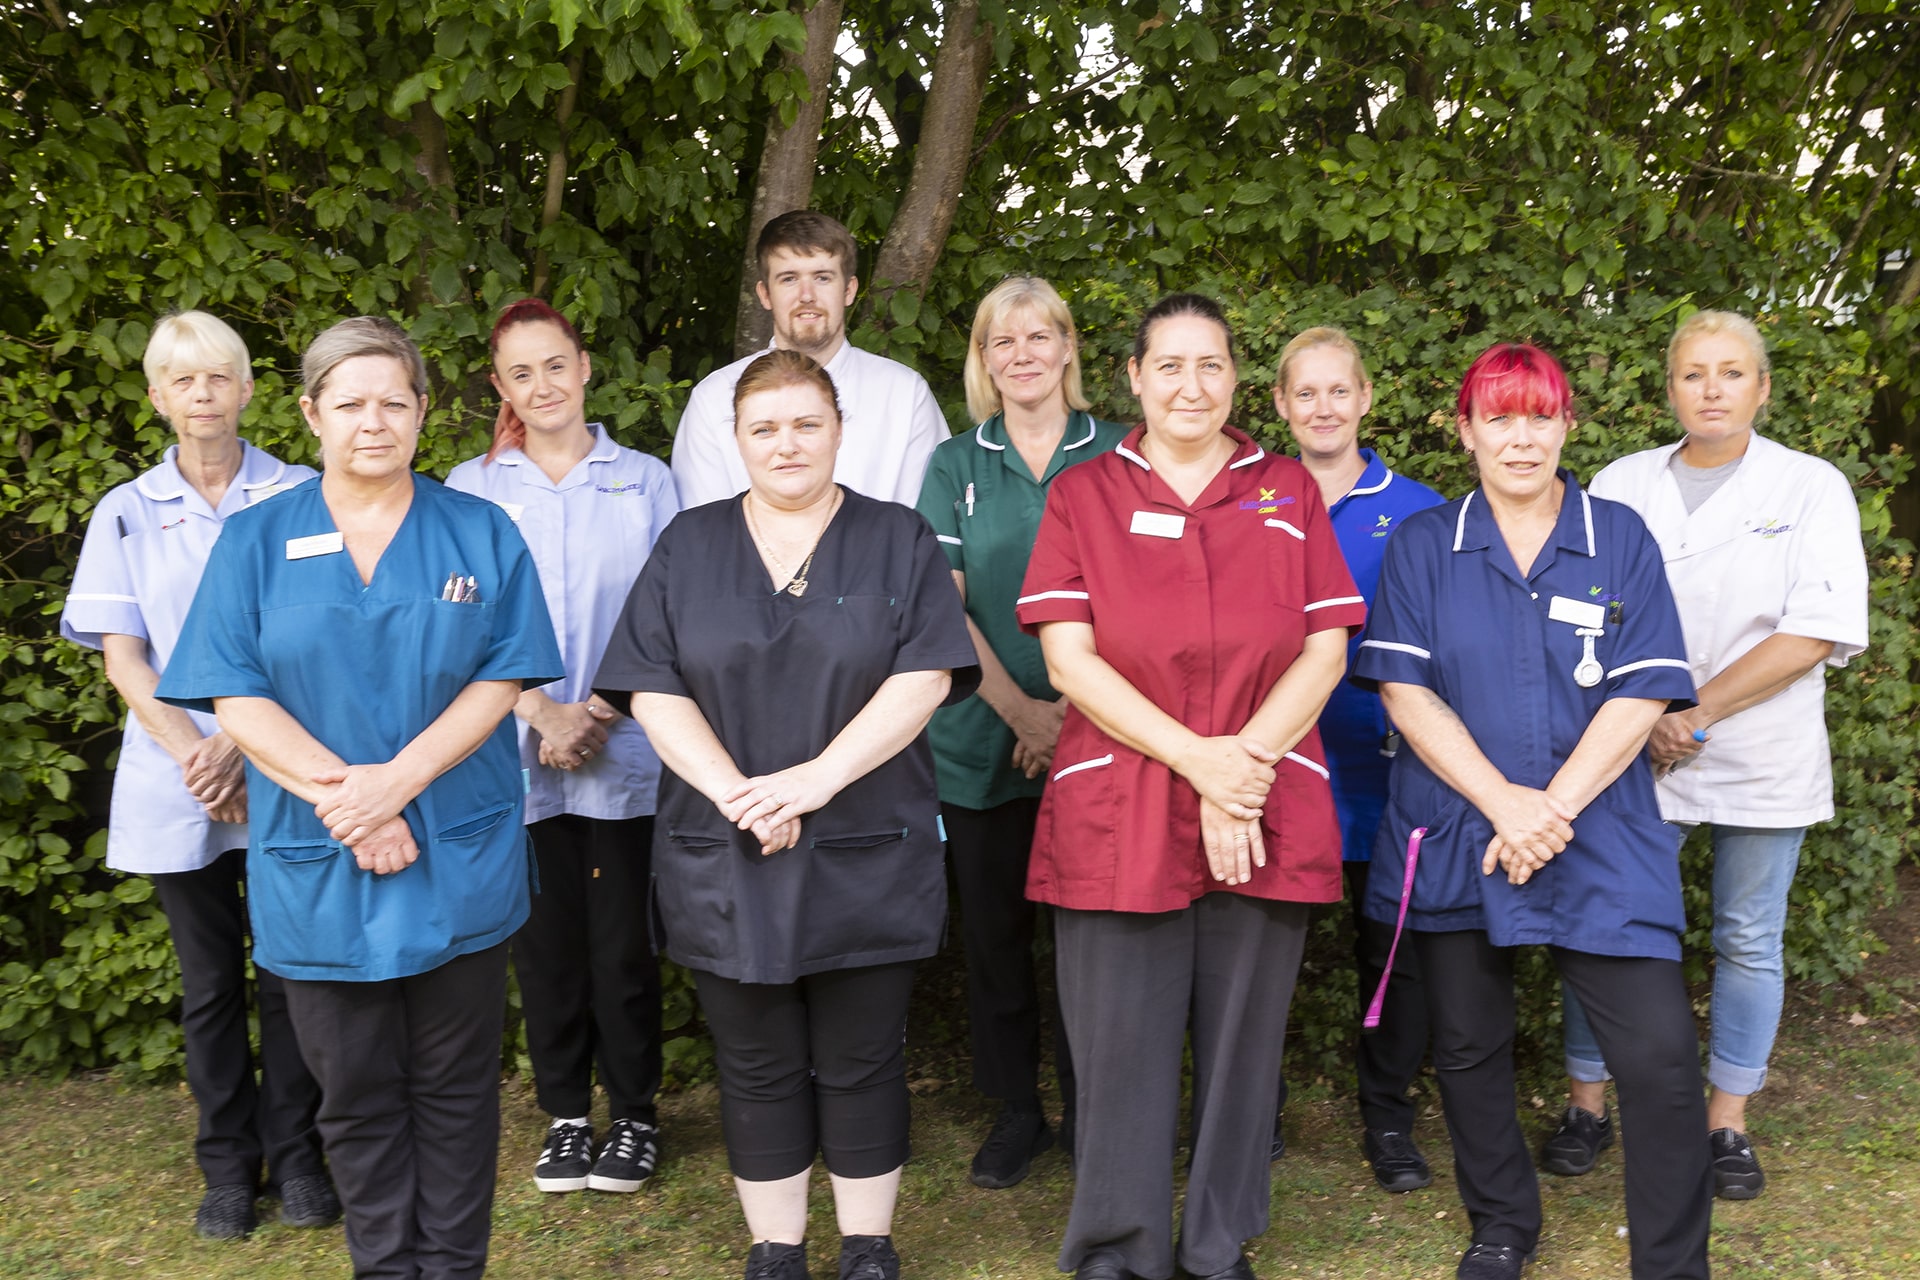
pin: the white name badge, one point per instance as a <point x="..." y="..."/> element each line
<point x="513" y="509"/>
<point x="319" y="544"/>
<point x="1158" y="524"/>
<point x="1579" y="612"/>
<point x="265" y="491"/>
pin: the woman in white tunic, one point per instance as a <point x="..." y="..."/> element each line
<point x="1762" y="548"/>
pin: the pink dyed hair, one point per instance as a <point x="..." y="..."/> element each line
<point x="508" y="431"/>
<point x="1515" y="377"/>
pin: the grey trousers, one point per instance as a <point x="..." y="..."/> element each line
<point x="1131" y="987"/>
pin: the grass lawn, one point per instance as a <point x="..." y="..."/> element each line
<point x="96" y="1180"/>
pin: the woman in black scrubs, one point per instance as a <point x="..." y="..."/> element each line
<point x="785" y="649"/>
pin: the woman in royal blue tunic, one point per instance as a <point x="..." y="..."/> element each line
<point x="1525" y="643"/>
<point x="363" y="639"/>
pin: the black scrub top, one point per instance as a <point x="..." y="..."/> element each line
<point x="778" y="677"/>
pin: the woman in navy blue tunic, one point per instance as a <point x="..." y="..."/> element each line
<point x="1525" y="642"/>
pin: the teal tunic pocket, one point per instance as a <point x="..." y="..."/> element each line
<point x="468" y="859"/>
<point x="302" y="893"/>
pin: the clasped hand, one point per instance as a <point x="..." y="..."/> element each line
<point x="1672" y="742"/>
<point x="1036" y="732"/>
<point x="216" y="775"/>
<point x="572" y="733"/>
<point x="1530" y="828"/>
<point x="771" y="805"/>
<point x="1235" y="773"/>
<point x="361" y="799"/>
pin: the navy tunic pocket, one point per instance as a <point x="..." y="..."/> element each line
<point x="305" y="904"/>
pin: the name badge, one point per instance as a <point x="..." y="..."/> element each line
<point x="1158" y="524"/>
<point x="265" y="491"/>
<point x="1579" y="612"/>
<point x="319" y="544"/>
<point x="513" y="509"/>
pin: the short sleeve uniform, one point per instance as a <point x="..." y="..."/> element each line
<point x="282" y="614"/>
<point x="1353" y="727"/>
<point x="589" y="535"/>
<point x="889" y="425"/>
<point x="1455" y="615"/>
<point x="1202" y="607"/>
<point x="984" y="506"/>
<point x="146" y="546"/>
<point x="778" y="677"/>
<point x="1776" y="549"/>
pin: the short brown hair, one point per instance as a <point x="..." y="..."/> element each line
<point x="361" y="336"/>
<point x="783" y="368"/>
<point x="805" y="231"/>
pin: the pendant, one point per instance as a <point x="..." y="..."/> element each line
<point x="1588" y="673"/>
<point x="796" y="586"/>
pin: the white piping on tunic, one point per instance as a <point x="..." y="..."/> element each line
<point x="1129" y="454"/>
<point x="1396" y="647"/>
<point x="985" y="443"/>
<point x="1282" y="524"/>
<point x="1648" y="662"/>
<point x="1460" y="525"/>
<point x="1083" y="439"/>
<point x="952" y="542"/>
<point x="1317" y="768"/>
<point x="1053" y="595"/>
<point x="1257" y="454"/>
<point x="1084" y="764"/>
<point x="1328" y="604"/>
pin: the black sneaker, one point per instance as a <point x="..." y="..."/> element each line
<point x="566" y="1159"/>
<point x="1279" y="1147"/>
<point x="1020" y="1134"/>
<point x="1491" y="1262"/>
<point x="868" y="1258"/>
<point x="226" y="1213"/>
<point x="1397" y="1164"/>
<point x="770" y="1261"/>
<point x="628" y="1159"/>
<point x="309" y="1200"/>
<point x="1572" y="1149"/>
<point x="1736" y="1172"/>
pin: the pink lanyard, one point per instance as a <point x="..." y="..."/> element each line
<point x="1372" y="1019"/>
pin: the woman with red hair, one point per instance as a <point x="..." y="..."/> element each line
<point x="1525" y="643"/>
<point x="590" y="511"/>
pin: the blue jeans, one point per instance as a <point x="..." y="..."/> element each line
<point x="1752" y="871"/>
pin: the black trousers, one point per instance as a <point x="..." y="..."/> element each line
<point x="1133" y="986"/>
<point x="1386" y="1059"/>
<point x="241" y="1123"/>
<point x="409" y="1073"/>
<point x="589" y="978"/>
<point x="814" y="1065"/>
<point x="989" y="850"/>
<point x="1641" y="1015"/>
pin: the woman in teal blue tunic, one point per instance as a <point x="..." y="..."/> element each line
<point x="363" y="640"/>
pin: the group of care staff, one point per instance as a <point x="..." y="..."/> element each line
<point x="1154" y="621"/>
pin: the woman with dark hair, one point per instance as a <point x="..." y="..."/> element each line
<point x="1525" y="643"/>
<point x="1194" y="609"/>
<point x="784" y="650"/>
<point x="363" y="638"/>
<point x="983" y="495"/>
<point x="590" y="511"/>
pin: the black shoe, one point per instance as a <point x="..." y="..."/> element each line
<point x="309" y="1200"/>
<point x="1397" y="1163"/>
<point x="770" y="1261"/>
<point x="1018" y="1136"/>
<point x="1242" y="1269"/>
<point x="1279" y="1147"/>
<point x="1573" y="1148"/>
<point x="1736" y="1172"/>
<point x="566" y="1159"/>
<point x="868" y="1258"/>
<point x="628" y="1159"/>
<point x="226" y="1213"/>
<point x="1492" y="1262"/>
<point x="1103" y="1264"/>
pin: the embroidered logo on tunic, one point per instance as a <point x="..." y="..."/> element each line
<point x="1268" y="503"/>
<point x="635" y="487"/>
<point x="1383" y="526"/>
<point x="1773" y="529"/>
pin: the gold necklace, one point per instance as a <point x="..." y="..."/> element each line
<point x="797" y="580"/>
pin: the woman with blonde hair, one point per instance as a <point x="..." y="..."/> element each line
<point x="983" y="495"/>
<point x="1762" y="545"/>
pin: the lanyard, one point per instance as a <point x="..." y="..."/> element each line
<point x="1372" y="1019"/>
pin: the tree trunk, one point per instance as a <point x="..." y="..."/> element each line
<point x="785" y="178"/>
<point x="557" y="171"/>
<point x="920" y="226"/>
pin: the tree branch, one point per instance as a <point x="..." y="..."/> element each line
<point x="557" y="168"/>
<point x="1839" y="264"/>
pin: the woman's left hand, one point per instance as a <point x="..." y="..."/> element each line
<point x="364" y="798"/>
<point x="1234" y="846"/>
<point x="1672" y="742"/>
<point x="1519" y="864"/>
<point x="388" y="848"/>
<point x="767" y="802"/>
